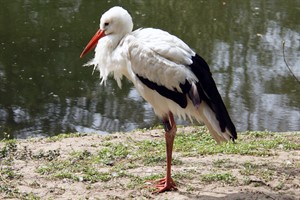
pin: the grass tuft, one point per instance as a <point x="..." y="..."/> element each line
<point x="222" y="177"/>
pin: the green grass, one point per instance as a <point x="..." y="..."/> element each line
<point x="264" y="172"/>
<point x="226" y="177"/>
<point x="80" y="171"/>
<point x="64" y="135"/>
<point x="113" y="160"/>
<point x="80" y="166"/>
<point x="48" y="155"/>
<point x="223" y="163"/>
<point x="253" y="143"/>
<point x="9" y="173"/>
<point x="9" y="148"/>
<point x="113" y="152"/>
<point x="118" y="157"/>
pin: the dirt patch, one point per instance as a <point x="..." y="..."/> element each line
<point x="261" y="165"/>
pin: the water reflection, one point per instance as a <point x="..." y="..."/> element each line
<point x="45" y="91"/>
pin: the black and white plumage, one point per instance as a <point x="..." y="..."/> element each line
<point x="165" y="71"/>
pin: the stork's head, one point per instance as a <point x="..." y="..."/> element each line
<point x="115" y="22"/>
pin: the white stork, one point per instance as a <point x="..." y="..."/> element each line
<point x="166" y="72"/>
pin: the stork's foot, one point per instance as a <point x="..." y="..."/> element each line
<point x="164" y="185"/>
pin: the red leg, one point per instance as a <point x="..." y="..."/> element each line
<point x="167" y="183"/>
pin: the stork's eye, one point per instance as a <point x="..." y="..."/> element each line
<point x="106" y="24"/>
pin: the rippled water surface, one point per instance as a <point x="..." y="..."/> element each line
<point x="44" y="90"/>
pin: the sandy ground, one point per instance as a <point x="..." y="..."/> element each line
<point x="282" y="167"/>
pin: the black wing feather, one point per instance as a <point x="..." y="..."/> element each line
<point x="209" y="93"/>
<point x="174" y="95"/>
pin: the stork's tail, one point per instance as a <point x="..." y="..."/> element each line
<point x="212" y="110"/>
<point x="208" y="116"/>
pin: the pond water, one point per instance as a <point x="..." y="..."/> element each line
<point x="44" y="90"/>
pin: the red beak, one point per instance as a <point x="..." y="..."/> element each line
<point x="93" y="42"/>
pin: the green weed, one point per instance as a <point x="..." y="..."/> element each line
<point x="222" y="177"/>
